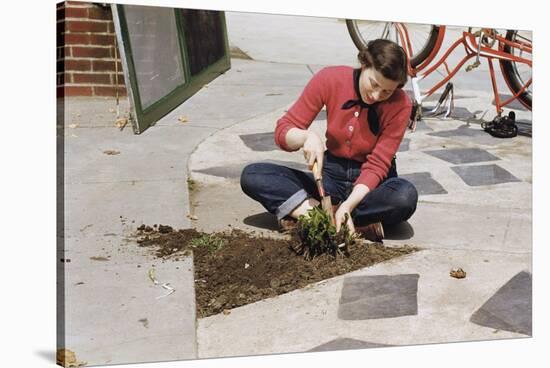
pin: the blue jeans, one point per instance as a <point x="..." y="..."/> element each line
<point x="281" y="189"/>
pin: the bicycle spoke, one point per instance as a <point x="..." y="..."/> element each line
<point x="523" y="71"/>
<point x="518" y="75"/>
<point x="524" y="38"/>
<point x="386" y="31"/>
<point x="422" y="37"/>
<point x="371" y="30"/>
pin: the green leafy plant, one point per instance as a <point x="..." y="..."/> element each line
<point x="209" y="241"/>
<point x="317" y="235"/>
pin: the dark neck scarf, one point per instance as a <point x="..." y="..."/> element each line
<point x="372" y="116"/>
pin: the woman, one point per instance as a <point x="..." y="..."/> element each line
<point x="367" y="115"/>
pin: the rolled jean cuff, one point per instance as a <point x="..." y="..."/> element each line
<point x="290" y="204"/>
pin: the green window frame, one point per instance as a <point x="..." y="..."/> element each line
<point x="141" y="117"/>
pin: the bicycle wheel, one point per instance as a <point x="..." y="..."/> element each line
<point x="423" y="36"/>
<point x="516" y="74"/>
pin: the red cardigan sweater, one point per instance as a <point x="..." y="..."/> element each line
<point x="348" y="133"/>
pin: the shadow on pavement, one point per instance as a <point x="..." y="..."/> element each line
<point x="264" y="220"/>
<point x="458" y="113"/>
<point x="400" y="231"/>
<point x="515" y="105"/>
<point x="267" y="221"/>
<point x="48" y="355"/>
<point x="525" y="128"/>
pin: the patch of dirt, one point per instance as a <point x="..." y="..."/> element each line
<point x="243" y="268"/>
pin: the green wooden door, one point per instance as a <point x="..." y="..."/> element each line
<point x="168" y="55"/>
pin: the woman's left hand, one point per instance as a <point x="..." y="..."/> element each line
<point x="340" y="217"/>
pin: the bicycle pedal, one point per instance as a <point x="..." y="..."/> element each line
<point x="502" y="126"/>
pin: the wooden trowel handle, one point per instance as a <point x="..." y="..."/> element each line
<point x="325" y="200"/>
<point x="316" y="172"/>
<point x="318" y="177"/>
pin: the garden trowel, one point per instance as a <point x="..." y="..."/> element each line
<point x="326" y="203"/>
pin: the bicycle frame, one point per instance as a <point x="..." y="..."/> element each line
<point x="473" y="48"/>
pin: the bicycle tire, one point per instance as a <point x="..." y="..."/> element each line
<point x="418" y="58"/>
<point x="512" y="75"/>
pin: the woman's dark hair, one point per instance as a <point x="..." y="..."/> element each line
<point x="386" y="57"/>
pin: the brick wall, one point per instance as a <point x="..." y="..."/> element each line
<point x="86" y="51"/>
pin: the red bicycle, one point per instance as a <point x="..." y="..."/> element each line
<point x="422" y="43"/>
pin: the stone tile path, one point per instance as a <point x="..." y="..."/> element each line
<point x="510" y="308"/>
<point x="368" y="297"/>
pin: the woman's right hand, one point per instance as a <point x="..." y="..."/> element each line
<point x="314" y="150"/>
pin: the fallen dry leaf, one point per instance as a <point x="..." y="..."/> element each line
<point x="192" y="217"/>
<point x="183" y="119"/>
<point x="121" y="122"/>
<point x="111" y="152"/>
<point x="226" y="312"/>
<point x="458" y="273"/>
<point x="67" y="358"/>
<point x="99" y="258"/>
<point x="72" y="126"/>
<point x="111" y="110"/>
<point x="152" y="277"/>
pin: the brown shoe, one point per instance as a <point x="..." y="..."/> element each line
<point x="287" y="224"/>
<point x="373" y="232"/>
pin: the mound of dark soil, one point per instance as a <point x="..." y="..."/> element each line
<point x="246" y="268"/>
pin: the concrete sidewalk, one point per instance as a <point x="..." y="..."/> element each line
<point x="111" y="314"/>
<point x="474" y="213"/>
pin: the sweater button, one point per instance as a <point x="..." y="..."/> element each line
<point x="356" y="114"/>
<point x="348" y="142"/>
<point x="350" y="128"/>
